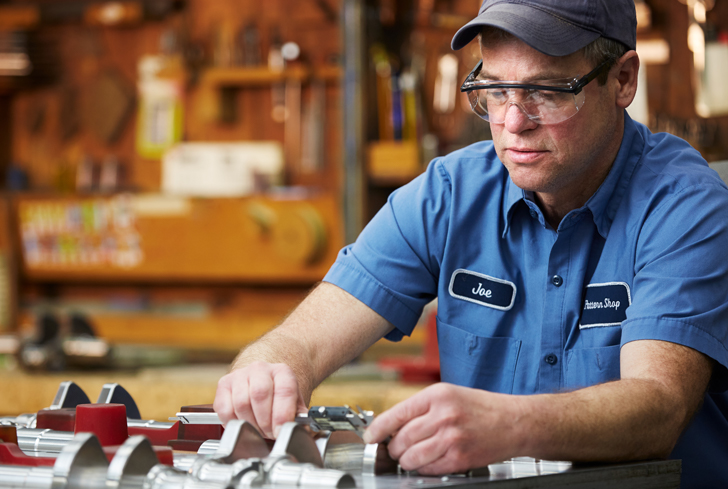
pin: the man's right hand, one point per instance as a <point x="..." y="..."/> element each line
<point x="264" y="394"/>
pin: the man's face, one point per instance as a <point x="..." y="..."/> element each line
<point x="559" y="159"/>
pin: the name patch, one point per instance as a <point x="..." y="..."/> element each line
<point x="482" y="289"/>
<point x="605" y="305"/>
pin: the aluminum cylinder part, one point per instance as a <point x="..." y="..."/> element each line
<point x="37" y="440"/>
<point x="184" y="461"/>
<point x="285" y="472"/>
<point x="148" y="423"/>
<point x="208" y="447"/>
<point x="25" y="477"/>
<point x="165" y="477"/>
<point x="209" y="470"/>
<point x="325" y="478"/>
<point x="21" y="421"/>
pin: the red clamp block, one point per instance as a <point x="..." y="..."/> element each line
<point x="63" y="419"/>
<point x="191" y="436"/>
<point x="158" y="436"/>
<point x="106" y="421"/>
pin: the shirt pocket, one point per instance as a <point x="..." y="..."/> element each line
<point x="477" y="361"/>
<point x="591" y="366"/>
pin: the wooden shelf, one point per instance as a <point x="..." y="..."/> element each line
<point x="262" y="76"/>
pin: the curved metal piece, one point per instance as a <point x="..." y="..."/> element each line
<point x="226" y="474"/>
<point x="165" y="477"/>
<point x="209" y="447"/>
<point x="282" y="471"/>
<point x="69" y="395"/>
<point x="342" y="450"/>
<point x="324" y="478"/>
<point x="377" y="461"/>
<point x="294" y="441"/>
<point x="240" y="440"/>
<point x="132" y="462"/>
<point x="116" y="394"/>
<point x="81" y="464"/>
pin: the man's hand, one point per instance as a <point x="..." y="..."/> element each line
<point x="447" y="429"/>
<point x="266" y="395"/>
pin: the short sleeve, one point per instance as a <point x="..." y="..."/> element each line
<point x="680" y="288"/>
<point x="394" y="265"/>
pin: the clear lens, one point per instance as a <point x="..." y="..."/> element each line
<point x="541" y="106"/>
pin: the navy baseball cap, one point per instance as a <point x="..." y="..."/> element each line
<point x="555" y="27"/>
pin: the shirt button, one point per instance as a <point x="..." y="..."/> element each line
<point x="557" y="280"/>
<point x="551" y="359"/>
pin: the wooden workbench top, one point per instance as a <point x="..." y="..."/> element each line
<point x="160" y="392"/>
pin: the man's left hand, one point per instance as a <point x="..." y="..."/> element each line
<point x="448" y="429"/>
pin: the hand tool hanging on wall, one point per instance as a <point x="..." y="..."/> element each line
<point x="109" y="13"/>
<point x="278" y="90"/>
<point x="313" y="140"/>
<point x="292" y="130"/>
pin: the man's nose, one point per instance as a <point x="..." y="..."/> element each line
<point x="516" y="119"/>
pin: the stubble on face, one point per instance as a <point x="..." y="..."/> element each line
<point x="562" y="163"/>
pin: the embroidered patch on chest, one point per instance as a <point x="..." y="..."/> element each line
<point x="605" y="305"/>
<point x="482" y="289"/>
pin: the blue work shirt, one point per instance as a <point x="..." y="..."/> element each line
<point x="526" y="309"/>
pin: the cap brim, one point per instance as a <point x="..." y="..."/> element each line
<point x="537" y="28"/>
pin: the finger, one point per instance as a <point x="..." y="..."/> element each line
<point x="447" y="464"/>
<point x="301" y="407"/>
<point x="241" y="401"/>
<point x="423" y="453"/>
<point x="285" y="399"/>
<point x="393" y="419"/>
<point x="223" y="404"/>
<point x="261" y="400"/>
<point x="415" y="431"/>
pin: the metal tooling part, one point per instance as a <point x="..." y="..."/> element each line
<point x="196" y="418"/>
<point x="242" y="459"/>
<point x="294" y="441"/>
<point x="51" y="441"/>
<point x="319" y="418"/>
<point x="69" y="395"/>
<point x="116" y="394"/>
<point x="239" y="452"/>
<point x="83" y="465"/>
<point x="294" y="444"/>
<point x="328" y="418"/>
<point x="345" y="450"/>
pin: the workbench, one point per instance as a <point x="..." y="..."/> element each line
<point x="160" y="392"/>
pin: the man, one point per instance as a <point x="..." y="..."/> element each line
<point x="577" y="258"/>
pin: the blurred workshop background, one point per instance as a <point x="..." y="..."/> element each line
<point x="177" y="174"/>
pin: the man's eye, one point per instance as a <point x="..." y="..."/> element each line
<point x="496" y="95"/>
<point x="546" y="97"/>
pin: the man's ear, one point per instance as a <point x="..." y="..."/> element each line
<point x="626" y="68"/>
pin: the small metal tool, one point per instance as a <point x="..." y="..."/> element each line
<point x="318" y="418"/>
<point x="339" y="418"/>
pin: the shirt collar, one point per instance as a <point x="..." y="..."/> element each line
<point x="605" y="201"/>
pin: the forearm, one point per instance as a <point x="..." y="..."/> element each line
<point x="278" y="347"/>
<point x="630" y="419"/>
<point x="327" y="330"/>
